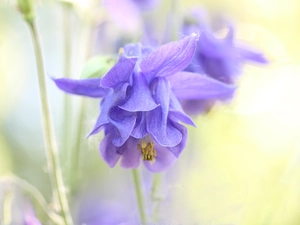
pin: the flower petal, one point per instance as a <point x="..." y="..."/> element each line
<point x="194" y="107"/>
<point x="211" y="47"/>
<point x="140" y="98"/>
<point x="86" y="87"/>
<point x="170" y="58"/>
<point x="114" y="97"/>
<point x="176" y="150"/>
<point x="176" y="112"/>
<point x="131" y="155"/>
<point x="164" y="159"/>
<point x="124" y="121"/>
<point x="192" y="86"/>
<point x="158" y="124"/>
<point x="140" y="130"/>
<point x="108" y="150"/>
<point x="246" y="53"/>
<point x="120" y="73"/>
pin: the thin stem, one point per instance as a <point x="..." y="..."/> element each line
<point x="7" y="208"/>
<point x="154" y="196"/>
<point x="174" y="26"/>
<point x="67" y="73"/>
<point x="76" y="151"/>
<point x="51" y="148"/>
<point x="139" y="195"/>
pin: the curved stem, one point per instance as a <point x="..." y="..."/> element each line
<point x="51" y="148"/>
<point x="139" y="195"/>
<point x="35" y="195"/>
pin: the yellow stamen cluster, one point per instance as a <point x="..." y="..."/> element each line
<point x="148" y="151"/>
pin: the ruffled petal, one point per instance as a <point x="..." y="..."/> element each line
<point x="124" y="122"/>
<point x="176" y="150"/>
<point x="140" y="98"/>
<point x="114" y="97"/>
<point x="131" y="154"/>
<point x="164" y="159"/>
<point x="158" y="124"/>
<point x="108" y="150"/>
<point x="176" y="112"/>
<point x="120" y="73"/>
<point x="170" y="58"/>
<point x="192" y="86"/>
<point x="140" y="130"/>
<point x="86" y="87"/>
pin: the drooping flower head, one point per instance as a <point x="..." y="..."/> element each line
<point x="222" y="59"/>
<point x="140" y="113"/>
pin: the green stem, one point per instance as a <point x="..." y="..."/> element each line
<point x="7" y="208"/>
<point x="174" y="26"/>
<point x="67" y="73"/>
<point x="74" y="163"/>
<point x="139" y="195"/>
<point x="51" y="148"/>
<point x="155" y="197"/>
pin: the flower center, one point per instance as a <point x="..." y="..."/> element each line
<point x="148" y="151"/>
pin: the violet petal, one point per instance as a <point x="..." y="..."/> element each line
<point x="108" y="150"/>
<point x="140" y="98"/>
<point x="158" y="124"/>
<point x="120" y="73"/>
<point x="86" y="87"/>
<point x="131" y="154"/>
<point x="170" y="58"/>
<point x="192" y="86"/>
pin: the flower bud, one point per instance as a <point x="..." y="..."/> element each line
<point x="26" y="8"/>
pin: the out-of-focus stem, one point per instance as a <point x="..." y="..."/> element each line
<point x="67" y="73"/>
<point x="139" y="195"/>
<point x="154" y="196"/>
<point x="51" y="148"/>
<point x="74" y="157"/>
<point x="7" y="208"/>
<point x="174" y="20"/>
<point x="35" y="196"/>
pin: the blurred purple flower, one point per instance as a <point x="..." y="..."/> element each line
<point x="221" y="59"/>
<point x="140" y="113"/>
<point x="30" y="217"/>
<point x="127" y="13"/>
<point x="96" y="212"/>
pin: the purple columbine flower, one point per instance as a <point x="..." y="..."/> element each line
<point x="220" y="59"/>
<point x="140" y="113"/>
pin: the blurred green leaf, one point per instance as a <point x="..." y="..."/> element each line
<point x="98" y="66"/>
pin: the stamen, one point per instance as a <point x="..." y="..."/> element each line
<point x="148" y="151"/>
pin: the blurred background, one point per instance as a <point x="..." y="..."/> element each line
<point x="241" y="165"/>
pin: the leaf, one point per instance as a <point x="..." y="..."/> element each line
<point x="98" y="66"/>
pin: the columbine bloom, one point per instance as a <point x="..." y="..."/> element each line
<point x="139" y="112"/>
<point x="221" y="59"/>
